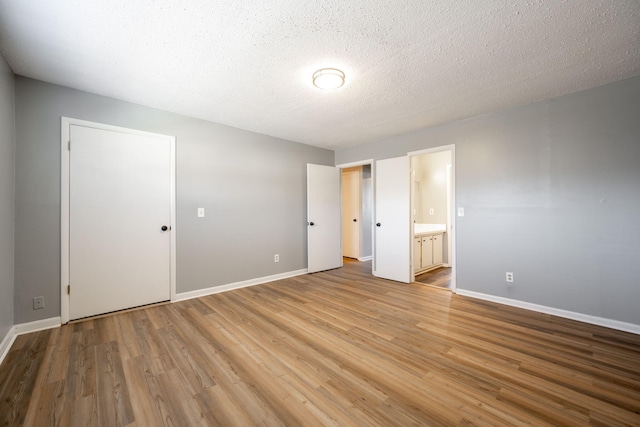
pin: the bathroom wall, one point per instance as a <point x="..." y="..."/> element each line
<point x="432" y="172"/>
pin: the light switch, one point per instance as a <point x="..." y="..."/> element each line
<point x="460" y="211"/>
<point x="200" y="212"/>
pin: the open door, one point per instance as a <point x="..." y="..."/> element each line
<point x="324" y="243"/>
<point x="393" y="220"/>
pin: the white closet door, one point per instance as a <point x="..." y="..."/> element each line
<point x="119" y="202"/>
<point x="393" y="219"/>
<point x="324" y="245"/>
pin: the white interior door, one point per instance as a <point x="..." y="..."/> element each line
<point x="324" y="246"/>
<point x="393" y="220"/>
<point x="351" y="214"/>
<point x="120" y="192"/>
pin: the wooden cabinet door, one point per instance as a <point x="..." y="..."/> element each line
<point x="437" y="249"/>
<point x="427" y="252"/>
<point x="417" y="253"/>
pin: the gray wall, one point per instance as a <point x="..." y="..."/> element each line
<point x="252" y="186"/>
<point x="551" y="192"/>
<point x="7" y="148"/>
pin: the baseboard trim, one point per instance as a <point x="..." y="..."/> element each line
<point x="38" y="325"/>
<point x="237" y="285"/>
<point x="7" y="342"/>
<point x="25" y="328"/>
<point x="365" y="258"/>
<point x="586" y="318"/>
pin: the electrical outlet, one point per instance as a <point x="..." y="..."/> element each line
<point x="276" y="258"/>
<point x="460" y="211"/>
<point x="200" y="212"/>
<point x="38" y="303"/>
<point x="431" y="211"/>
<point x="509" y="277"/>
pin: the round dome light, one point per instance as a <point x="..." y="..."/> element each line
<point x="328" y="78"/>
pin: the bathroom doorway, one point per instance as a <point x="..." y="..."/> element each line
<point x="432" y="201"/>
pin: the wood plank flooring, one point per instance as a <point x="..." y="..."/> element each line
<point x="440" y="277"/>
<point x="338" y="348"/>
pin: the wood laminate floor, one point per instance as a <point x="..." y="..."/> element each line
<point x="440" y="277"/>
<point x="334" y="348"/>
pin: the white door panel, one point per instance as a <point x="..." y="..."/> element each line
<point x="323" y="218"/>
<point x="119" y="198"/>
<point x="351" y="214"/>
<point x="393" y="219"/>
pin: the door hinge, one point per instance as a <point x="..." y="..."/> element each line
<point x="68" y="289"/>
<point x="69" y="145"/>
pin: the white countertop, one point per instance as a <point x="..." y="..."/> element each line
<point x="429" y="228"/>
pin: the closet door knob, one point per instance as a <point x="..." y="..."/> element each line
<point x="311" y="224"/>
<point x="378" y="224"/>
<point x="355" y="220"/>
<point x="164" y="228"/>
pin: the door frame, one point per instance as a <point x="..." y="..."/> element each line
<point x="372" y="163"/>
<point x="451" y="209"/>
<point x="65" y="162"/>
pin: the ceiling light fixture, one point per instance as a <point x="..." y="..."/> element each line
<point x="328" y="78"/>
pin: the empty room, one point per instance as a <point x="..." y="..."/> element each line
<point x="324" y="213"/>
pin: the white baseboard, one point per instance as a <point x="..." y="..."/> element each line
<point x="586" y="318"/>
<point x="6" y="343"/>
<point x="25" y="328"/>
<point x="237" y="285"/>
<point x="38" y="325"/>
<point x="365" y="258"/>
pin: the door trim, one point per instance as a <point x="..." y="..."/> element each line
<point x="358" y="163"/>
<point x="452" y="207"/>
<point x="65" y="124"/>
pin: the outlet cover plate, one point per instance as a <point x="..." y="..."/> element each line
<point x="38" y="303"/>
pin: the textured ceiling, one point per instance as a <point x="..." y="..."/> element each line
<point x="248" y="64"/>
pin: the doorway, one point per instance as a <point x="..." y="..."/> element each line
<point x="392" y="248"/>
<point x="357" y="212"/>
<point x="357" y="204"/>
<point x="432" y="208"/>
<point x="118" y="210"/>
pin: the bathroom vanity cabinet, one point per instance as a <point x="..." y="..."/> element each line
<point x="427" y="252"/>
